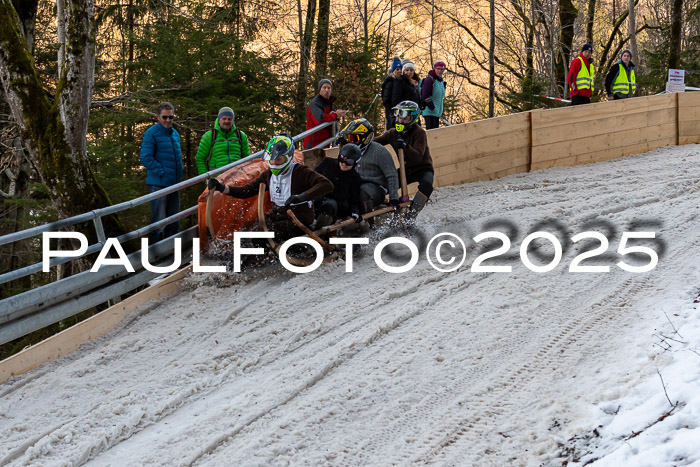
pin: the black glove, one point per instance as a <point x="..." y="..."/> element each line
<point x="395" y="203"/>
<point x="400" y="144"/>
<point x="429" y="103"/>
<point x="214" y="184"/>
<point x="340" y="140"/>
<point x="356" y="217"/>
<point x="296" y="199"/>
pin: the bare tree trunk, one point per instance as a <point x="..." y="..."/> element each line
<point x="306" y="32"/>
<point x="324" y="12"/>
<point x="633" y="33"/>
<point x="26" y="10"/>
<point x="589" y="22"/>
<point x="54" y="132"/>
<point x="528" y="82"/>
<point x="674" y="53"/>
<point x="567" y="17"/>
<point x="492" y="55"/>
<point x="76" y="65"/>
<point x="388" y="31"/>
<point x="432" y="31"/>
<point x="365" y="24"/>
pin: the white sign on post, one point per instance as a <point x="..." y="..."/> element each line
<point x="676" y="81"/>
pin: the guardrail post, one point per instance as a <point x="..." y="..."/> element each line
<point x="99" y="228"/>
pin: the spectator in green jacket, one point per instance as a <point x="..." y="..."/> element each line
<point x="222" y="145"/>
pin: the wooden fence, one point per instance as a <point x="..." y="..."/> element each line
<point x="540" y="139"/>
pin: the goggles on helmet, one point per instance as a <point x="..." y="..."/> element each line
<point x="356" y="139"/>
<point x="279" y="147"/>
<point x="403" y="113"/>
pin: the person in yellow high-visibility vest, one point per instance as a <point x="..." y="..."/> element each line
<point x="581" y="75"/>
<point x="620" y="83"/>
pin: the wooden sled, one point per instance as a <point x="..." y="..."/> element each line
<point x="277" y="247"/>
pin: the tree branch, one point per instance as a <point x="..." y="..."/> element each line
<point x="477" y="41"/>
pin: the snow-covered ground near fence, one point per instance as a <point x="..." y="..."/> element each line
<point x="372" y="368"/>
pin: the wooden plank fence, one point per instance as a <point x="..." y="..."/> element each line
<point x="540" y="139"/>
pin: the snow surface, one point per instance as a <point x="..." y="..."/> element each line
<point x="372" y="368"/>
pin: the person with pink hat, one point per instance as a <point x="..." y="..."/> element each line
<point x="432" y="90"/>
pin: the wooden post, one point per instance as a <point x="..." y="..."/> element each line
<point x="678" y="118"/>
<point x="402" y="172"/>
<point x="207" y="214"/>
<point x="529" y="142"/>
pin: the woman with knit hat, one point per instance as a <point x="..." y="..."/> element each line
<point x="406" y="86"/>
<point x="387" y="89"/>
<point x="433" y="95"/>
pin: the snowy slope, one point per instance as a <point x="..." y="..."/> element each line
<point x="372" y="368"/>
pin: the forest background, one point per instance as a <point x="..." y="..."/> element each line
<point x="81" y="80"/>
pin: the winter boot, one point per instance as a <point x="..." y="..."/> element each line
<point x="322" y="221"/>
<point x="418" y="203"/>
<point x="367" y="206"/>
<point x="353" y="230"/>
<point x="364" y="227"/>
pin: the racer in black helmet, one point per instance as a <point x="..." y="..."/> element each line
<point x="359" y="132"/>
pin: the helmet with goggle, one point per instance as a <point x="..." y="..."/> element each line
<point x="359" y="132"/>
<point x="349" y="154"/>
<point x="280" y="146"/>
<point x="403" y="110"/>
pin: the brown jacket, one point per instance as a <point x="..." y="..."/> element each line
<point x="417" y="154"/>
<point x="304" y="180"/>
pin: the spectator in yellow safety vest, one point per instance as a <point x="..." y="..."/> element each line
<point x="581" y="76"/>
<point x="620" y="83"/>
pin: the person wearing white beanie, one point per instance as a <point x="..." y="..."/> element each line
<point x="406" y="86"/>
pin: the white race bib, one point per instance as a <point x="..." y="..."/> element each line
<point x="281" y="186"/>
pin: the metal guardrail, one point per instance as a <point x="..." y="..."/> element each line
<point x="37" y="308"/>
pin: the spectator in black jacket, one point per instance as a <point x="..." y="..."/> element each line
<point x="387" y="89"/>
<point x="406" y="87"/>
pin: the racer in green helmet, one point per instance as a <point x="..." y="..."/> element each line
<point x="408" y="112"/>
<point x="279" y="153"/>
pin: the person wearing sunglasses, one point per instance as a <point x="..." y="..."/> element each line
<point x="409" y="136"/>
<point x="375" y="167"/>
<point x="291" y="185"/>
<point x="344" y="200"/>
<point x="162" y="157"/>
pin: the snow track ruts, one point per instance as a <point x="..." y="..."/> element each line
<point x="371" y="368"/>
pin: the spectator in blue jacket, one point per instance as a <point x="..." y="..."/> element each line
<point x="162" y="157"/>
